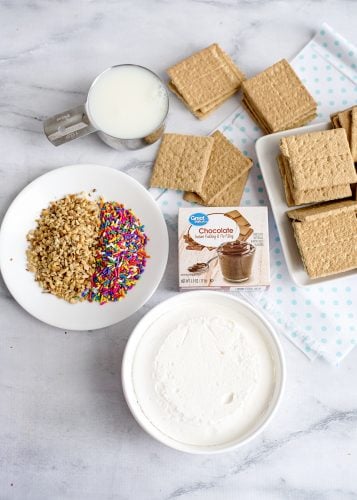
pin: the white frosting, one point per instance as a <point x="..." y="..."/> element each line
<point x="204" y="371"/>
<point x="203" y="378"/>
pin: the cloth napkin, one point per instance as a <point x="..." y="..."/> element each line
<point x="319" y="320"/>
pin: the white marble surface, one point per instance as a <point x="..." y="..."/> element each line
<point x="65" y="430"/>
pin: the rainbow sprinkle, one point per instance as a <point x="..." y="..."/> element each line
<point x="120" y="256"/>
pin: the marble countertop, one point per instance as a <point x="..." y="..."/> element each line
<point x="65" y="430"/>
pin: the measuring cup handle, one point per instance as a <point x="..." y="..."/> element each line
<point x="68" y="125"/>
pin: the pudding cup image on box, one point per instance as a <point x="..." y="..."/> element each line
<point x="223" y="247"/>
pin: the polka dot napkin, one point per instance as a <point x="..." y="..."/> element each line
<point x="320" y="320"/>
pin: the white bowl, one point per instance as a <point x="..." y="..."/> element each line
<point x="175" y="303"/>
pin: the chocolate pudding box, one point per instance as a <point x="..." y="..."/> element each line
<point x="223" y="247"/>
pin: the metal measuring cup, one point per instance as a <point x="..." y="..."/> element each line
<point x="76" y="122"/>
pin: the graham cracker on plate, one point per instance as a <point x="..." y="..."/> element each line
<point x="335" y="121"/>
<point x="277" y="99"/>
<point x="230" y="196"/>
<point x="322" y="210"/>
<point x="347" y="119"/>
<point x="288" y="195"/>
<point x="343" y="119"/>
<point x="205" y="79"/>
<point x="354" y="133"/>
<point x="181" y="162"/>
<point x="326" y="236"/>
<point x="318" y="159"/>
<point x="294" y="197"/>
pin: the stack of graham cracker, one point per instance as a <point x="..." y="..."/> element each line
<point x="347" y="119"/>
<point x="205" y="80"/>
<point x="319" y="167"/>
<point x="316" y="167"/>
<point x="277" y="99"/>
<point x="210" y="170"/>
<point x="326" y="235"/>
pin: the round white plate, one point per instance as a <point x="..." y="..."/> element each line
<point x="179" y="303"/>
<point x="113" y="185"/>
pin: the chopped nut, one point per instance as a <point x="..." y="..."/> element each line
<point x="61" y="250"/>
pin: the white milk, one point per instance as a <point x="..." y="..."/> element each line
<point x="128" y="102"/>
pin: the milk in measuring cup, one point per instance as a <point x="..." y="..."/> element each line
<point x="127" y="102"/>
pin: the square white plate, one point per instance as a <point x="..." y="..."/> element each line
<point x="267" y="149"/>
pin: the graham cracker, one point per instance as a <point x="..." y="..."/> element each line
<point x="234" y="214"/>
<point x="295" y="197"/>
<point x="182" y="162"/>
<point x="205" y="79"/>
<point x="318" y="159"/>
<point x="192" y="197"/>
<point x="343" y="119"/>
<point x="322" y="210"/>
<point x="205" y="110"/>
<point x="259" y="119"/>
<point x="245" y="229"/>
<point x="354" y="133"/>
<point x="327" y="238"/>
<point x="335" y="121"/>
<point x="191" y="244"/>
<point x="242" y="221"/>
<point x="277" y="99"/>
<point x="347" y="119"/>
<point x="226" y="164"/>
<point x="230" y="196"/>
<point x="288" y="195"/>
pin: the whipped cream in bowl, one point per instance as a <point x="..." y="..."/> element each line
<point x="203" y="372"/>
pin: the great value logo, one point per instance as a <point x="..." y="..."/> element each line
<point x="198" y="219"/>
